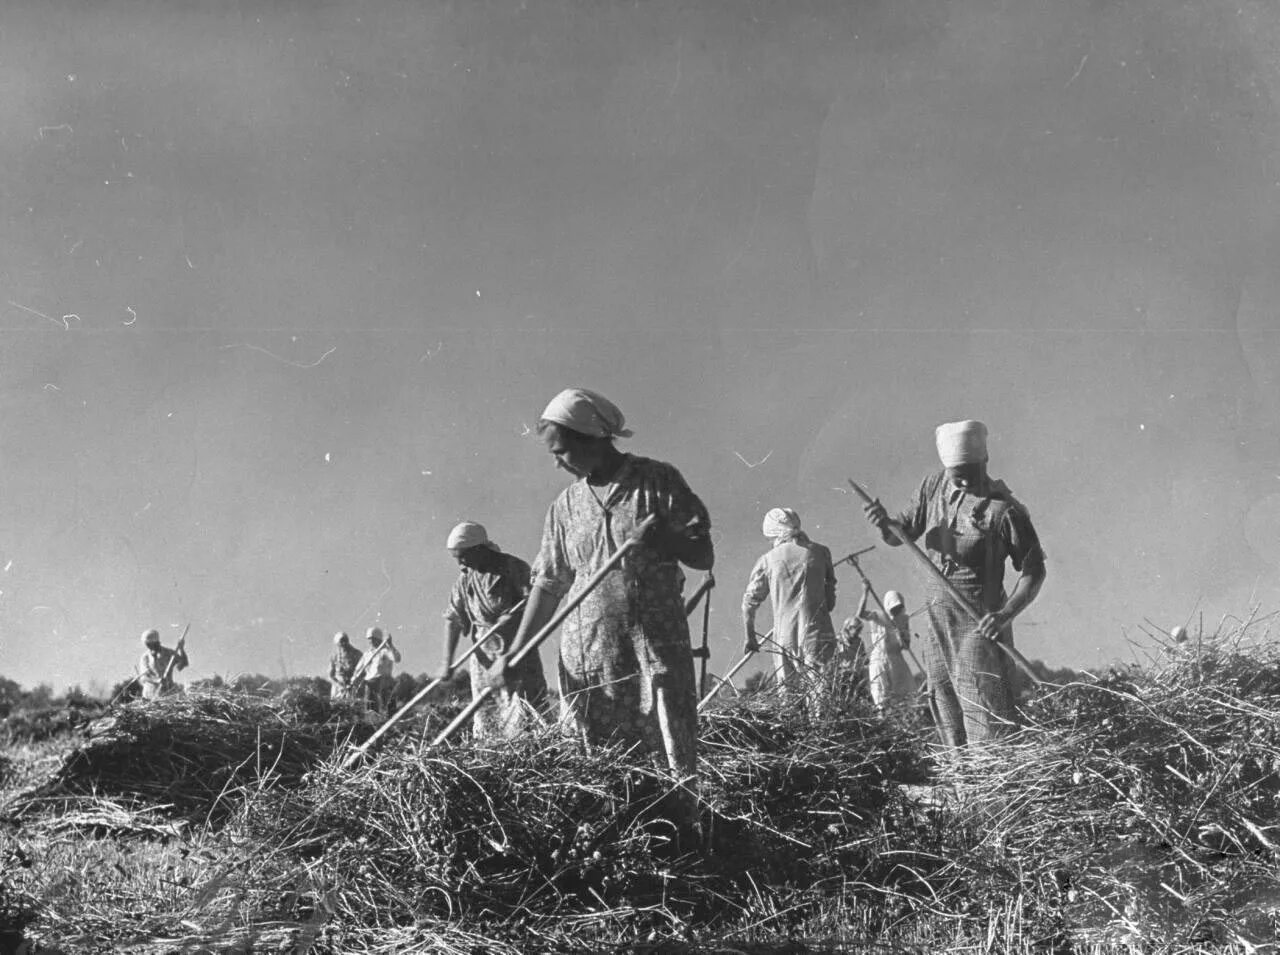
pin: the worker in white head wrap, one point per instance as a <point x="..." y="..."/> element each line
<point x="342" y="666"/>
<point x="780" y="522"/>
<point x="626" y="666"/>
<point x="375" y="668"/>
<point x="885" y="638"/>
<point x="490" y="587"/>
<point x="971" y="525"/>
<point x="157" y="664"/>
<point x="798" y="576"/>
<point x="587" y="413"/>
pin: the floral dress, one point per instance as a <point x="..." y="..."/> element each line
<point x="477" y="602"/>
<point x="969" y="535"/>
<point x="626" y="663"/>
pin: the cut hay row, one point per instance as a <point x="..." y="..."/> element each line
<point x="183" y="755"/>
<point x="1137" y="812"/>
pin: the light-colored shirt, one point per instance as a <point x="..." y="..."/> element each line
<point x="378" y="661"/>
<point x="154" y="670"/>
<point x="798" y="576"/>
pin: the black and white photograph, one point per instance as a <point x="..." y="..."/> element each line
<point x="743" y="477"/>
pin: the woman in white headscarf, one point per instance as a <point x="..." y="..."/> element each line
<point x="490" y="585"/>
<point x="799" y="578"/>
<point x="886" y="637"/>
<point x="971" y="525"/>
<point x="626" y="663"/>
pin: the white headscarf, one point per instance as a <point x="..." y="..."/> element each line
<point x="779" y="522"/>
<point x="961" y="442"/>
<point x="340" y="638"/>
<point x="893" y="599"/>
<point x="587" y="412"/>
<point x="469" y="534"/>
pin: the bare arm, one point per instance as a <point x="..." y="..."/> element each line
<point x="538" y="612"/>
<point x="1024" y="592"/>
<point x="452" y="634"/>
<point x="861" y="612"/>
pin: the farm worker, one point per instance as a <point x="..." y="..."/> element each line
<point x="489" y="585"/>
<point x="375" y="669"/>
<point x="798" y="577"/>
<point x="971" y="524"/>
<point x="156" y="666"/>
<point x="626" y="662"/>
<point x="342" y="667"/>
<point x="886" y="638"/>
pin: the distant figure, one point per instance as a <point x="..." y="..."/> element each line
<point x="887" y="671"/>
<point x="970" y="524"/>
<point x="799" y="578"/>
<point x="156" y="666"/>
<point x="342" y="667"/>
<point x="489" y="586"/>
<point x="375" y="668"/>
<point x="1179" y="635"/>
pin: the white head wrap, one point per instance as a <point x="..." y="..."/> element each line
<point x="961" y="442"/>
<point x="780" y="521"/>
<point x="469" y="534"/>
<point x="339" y="638"/>
<point x="587" y="412"/>
<point x="1179" y="634"/>
<point x="893" y="599"/>
<point x="150" y="637"/>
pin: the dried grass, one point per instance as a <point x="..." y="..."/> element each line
<point x="1136" y="812"/>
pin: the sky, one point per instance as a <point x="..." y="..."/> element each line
<point x="287" y="284"/>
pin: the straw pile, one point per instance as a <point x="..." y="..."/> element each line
<point x="1139" y="811"/>
<point x="536" y="836"/>
<point x="181" y="755"/>
<point x="1144" y="806"/>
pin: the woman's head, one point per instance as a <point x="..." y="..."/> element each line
<point x="579" y="427"/>
<point x="579" y="454"/>
<point x="895" y="606"/>
<point x="962" y="449"/>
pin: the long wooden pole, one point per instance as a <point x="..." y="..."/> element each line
<point x="1022" y="662"/>
<point x="421" y="694"/>
<point x="729" y="676"/>
<point x="168" y="667"/>
<point x="531" y="645"/>
<point x="705" y="650"/>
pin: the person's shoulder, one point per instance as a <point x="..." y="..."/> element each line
<point x="652" y="467"/>
<point x="822" y="550"/>
<point x="999" y="491"/>
<point x="514" y="565"/>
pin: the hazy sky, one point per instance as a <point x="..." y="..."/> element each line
<point x="287" y="283"/>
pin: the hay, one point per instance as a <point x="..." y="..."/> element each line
<point x="1142" y="806"/>
<point x="542" y="836"/>
<point x="1136" y="811"/>
<point x="182" y="755"/>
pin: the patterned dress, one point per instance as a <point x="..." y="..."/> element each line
<point x="626" y="664"/>
<point x="969" y="535"/>
<point x="477" y="602"/>
<point x="342" y="666"/>
<point x="798" y="577"/>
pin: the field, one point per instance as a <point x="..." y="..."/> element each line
<point x="1137" y="812"/>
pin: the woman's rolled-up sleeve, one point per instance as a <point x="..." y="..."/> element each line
<point x="552" y="570"/>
